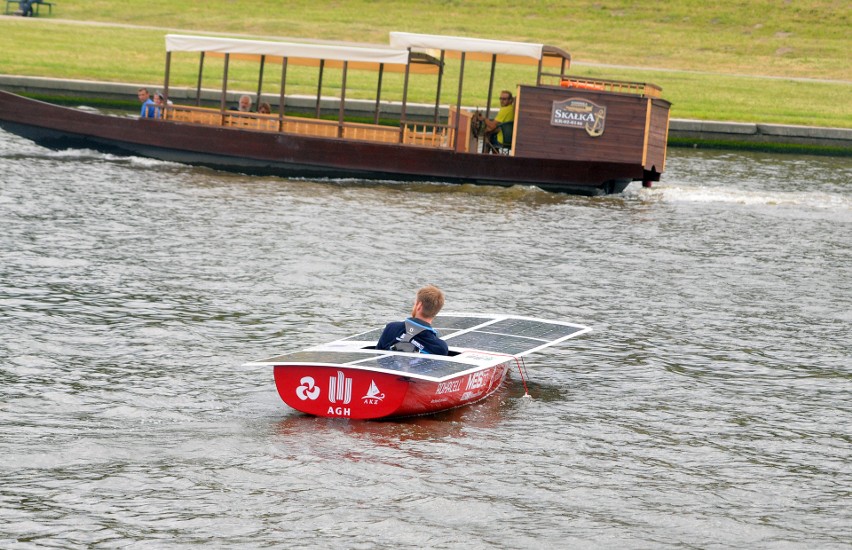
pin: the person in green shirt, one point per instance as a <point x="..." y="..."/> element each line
<point x="494" y="128"/>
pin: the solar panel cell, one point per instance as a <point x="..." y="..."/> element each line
<point x="532" y="329"/>
<point x="498" y="343"/>
<point x="417" y="364"/>
<point x="312" y="357"/>
<point x="447" y="322"/>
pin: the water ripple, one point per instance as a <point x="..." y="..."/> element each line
<point x="708" y="408"/>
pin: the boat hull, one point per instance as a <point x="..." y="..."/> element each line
<point x="286" y="155"/>
<point x="340" y="392"/>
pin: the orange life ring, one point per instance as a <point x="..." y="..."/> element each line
<point x="581" y="85"/>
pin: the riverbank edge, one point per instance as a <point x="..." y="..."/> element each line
<point x="682" y="132"/>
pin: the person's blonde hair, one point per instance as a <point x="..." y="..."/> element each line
<point x="432" y="300"/>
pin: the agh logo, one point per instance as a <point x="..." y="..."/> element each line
<point x="340" y="388"/>
<point x="339" y="391"/>
<point x="579" y="113"/>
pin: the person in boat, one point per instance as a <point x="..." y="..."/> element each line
<point x="160" y="102"/>
<point x="264" y="108"/>
<point x="506" y="114"/>
<point x="415" y="334"/>
<point x="244" y="105"/>
<point x="149" y="108"/>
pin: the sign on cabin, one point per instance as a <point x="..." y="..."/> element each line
<point x="579" y="113"/>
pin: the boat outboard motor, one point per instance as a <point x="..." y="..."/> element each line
<point x="404" y="342"/>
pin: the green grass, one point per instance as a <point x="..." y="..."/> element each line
<point x="768" y="147"/>
<point x="709" y="59"/>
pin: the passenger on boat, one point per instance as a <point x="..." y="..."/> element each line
<point x="506" y="114"/>
<point x="415" y="334"/>
<point x="149" y="108"/>
<point x="264" y="108"/>
<point x="160" y="102"/>
<point x="244" y="105"/>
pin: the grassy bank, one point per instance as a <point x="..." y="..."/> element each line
<point x="699" y="54"/>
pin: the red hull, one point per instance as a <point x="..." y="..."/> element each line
<point x="341" y="392"/>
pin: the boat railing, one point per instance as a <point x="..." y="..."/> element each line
<point x="427" y="134"/>
<point x="423" y="134"/>
<point x="644" y="89"/>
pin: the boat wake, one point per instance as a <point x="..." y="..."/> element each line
<point x="88" y="155"/>
<point x="745" y="197"/>
<point x="519" y="191"/>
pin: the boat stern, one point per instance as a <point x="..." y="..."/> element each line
<point x="340" y="392"/>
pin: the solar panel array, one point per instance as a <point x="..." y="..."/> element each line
<point x="502" y="336"/>
<point x="511" y="336"/>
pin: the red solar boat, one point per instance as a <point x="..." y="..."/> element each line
<point x="349" y="378"/>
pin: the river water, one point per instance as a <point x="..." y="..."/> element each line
<point x="710" y="407"/>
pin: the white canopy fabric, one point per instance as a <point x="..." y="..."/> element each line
<point x="406" y="40"/>
<point x="332" y="52"/>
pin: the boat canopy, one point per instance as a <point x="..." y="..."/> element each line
<point x="406" y="40"/>
<point x="330" y="52"/>
<point x="517" y="52"/>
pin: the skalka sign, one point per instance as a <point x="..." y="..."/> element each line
<point x="576" y="112"/>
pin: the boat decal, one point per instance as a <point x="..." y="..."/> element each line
<point x="339" y="411"/>
<point x="448" y="386"/>
<point x="481" y="358"/>
<point x="478" y="379"/>
<point x="373" y="396"/>
<point x="576" y="112"/>
<point x="308" y="389"/>
<point x="340" y="388"/>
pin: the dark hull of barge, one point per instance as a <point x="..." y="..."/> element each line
<point x="288" y="155"/>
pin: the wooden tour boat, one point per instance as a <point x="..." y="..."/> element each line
<point x="570" y="135"/>
<point x="350" y="378"/>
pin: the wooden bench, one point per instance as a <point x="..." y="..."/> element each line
<point x="421" y="134"/>
<point x="37" y="4"/>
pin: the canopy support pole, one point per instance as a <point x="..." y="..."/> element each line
<point x="224" y="87"/>
<point x="341" y="114"/>
<point x="402" y="112"/>
<point x="379" y="93"/>
<point x="438" y="93"/>
<point x="319" y="85"/>
<point x="260" y="81"/>
<point x="491" y="85"/>
<point x="200" y="73"/>
<point x="458" y="103"/>
<point x="281" y="97"/>
<point x="166" y="80"/>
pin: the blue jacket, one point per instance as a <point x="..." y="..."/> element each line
<point x="149" y="109"/>
<point x="429" y="340"/>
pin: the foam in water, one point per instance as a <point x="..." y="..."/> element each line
<point x="730" y="195"/>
